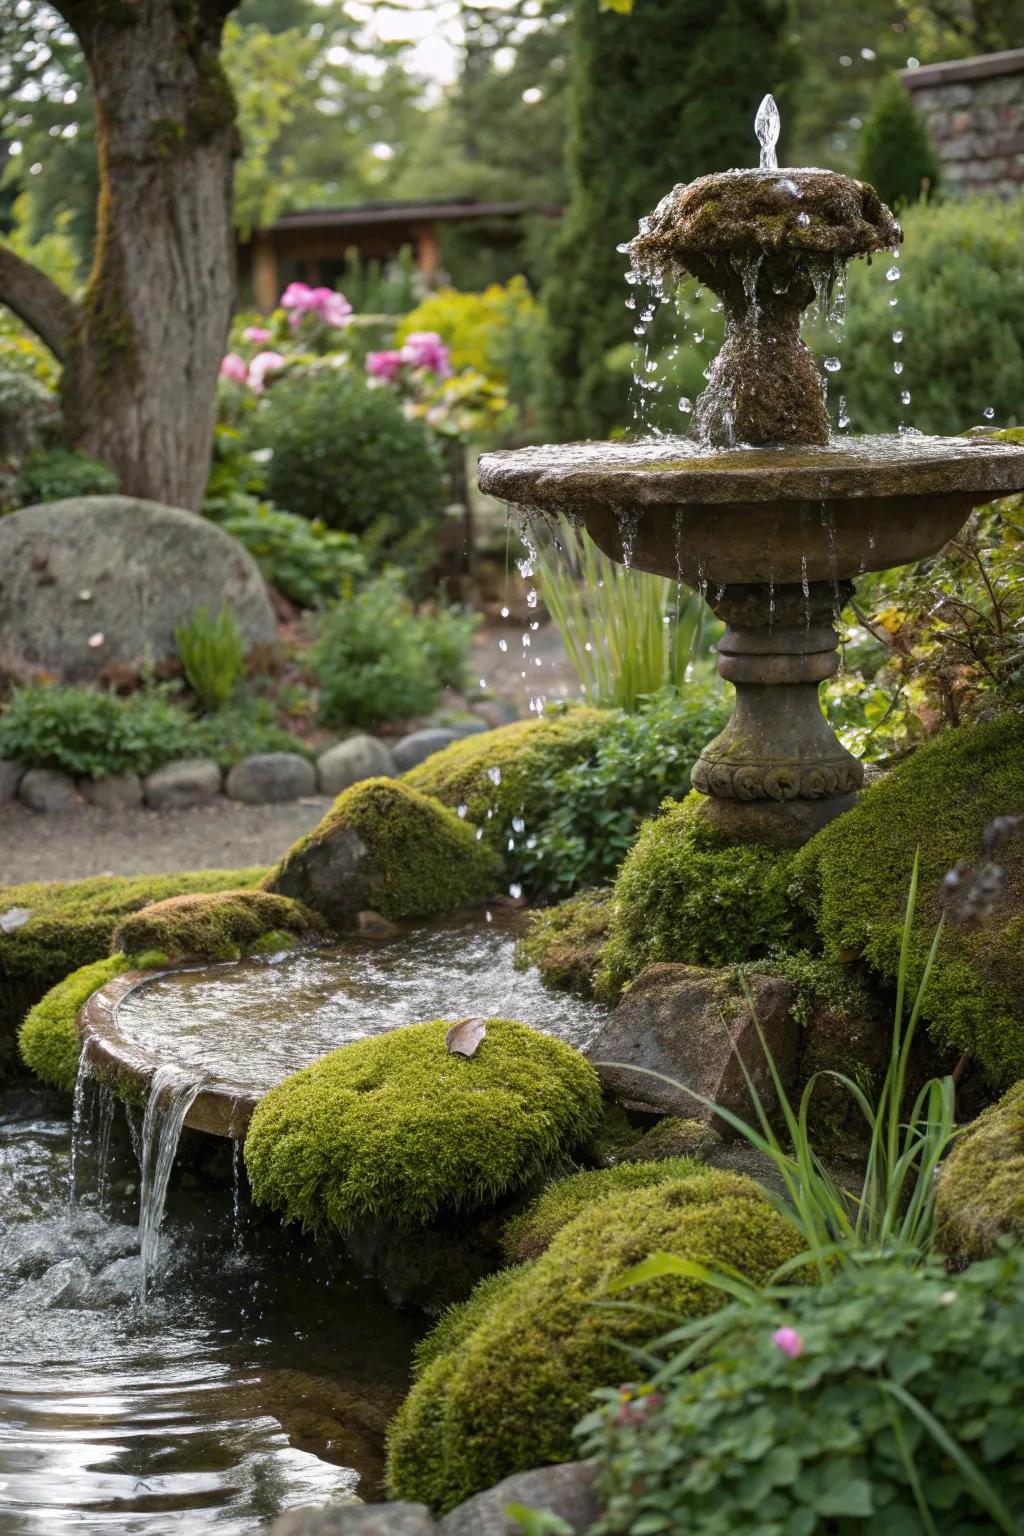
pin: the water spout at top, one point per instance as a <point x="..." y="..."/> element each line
<point x="766" y="125"/>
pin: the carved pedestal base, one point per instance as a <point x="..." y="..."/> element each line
<point x="778" y="750"/>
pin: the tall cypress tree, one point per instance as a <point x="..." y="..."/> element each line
<point x="661" y="95"/>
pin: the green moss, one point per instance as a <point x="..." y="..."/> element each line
<point x="397" y="1128"/>
<point x="565" y="942"/>
<point x="981" y="1184"/>
<point x="502" y="774"/>
<point x="672" y="1138"/>
<point x="684" y="894"/>
<point x="456" y="1323"/>
<point x="508" y="1397"/>
<point x="214" y="925"/>
<point x="530" y="1232"/>
<point x="48" y="1040"/>
<point x="855" y="874"/>
<point x="613" y="1136"/>
<point x="385" y="846"/>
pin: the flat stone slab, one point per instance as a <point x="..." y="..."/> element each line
<point x="673" y="471"/>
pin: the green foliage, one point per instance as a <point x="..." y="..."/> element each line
<point x="981" y="1183"/>
<point x="896" y="154"/>
<point x="419" y="857"/>
<point x="530" y="1232"/>
<point x="48" y="1039"/>
<point x="964" y="259"/>
<point x="685" y="894"/>
<point x="628" y="634"/>
<point x="50" y="474"/>
<point x="565" y="942"/>
<point x="212" y="654"/>
<point x="91" y="734"/>
<point x="686" y="79"/>
<point x="507" y="1397"/>
<point x="305" y="561"/>
<point x="213" y="925"/>
<point x="243" y="728"/>
<point x="852" y="873"/>
<point x="377" y="659"/>
<point x="899" y="1414"/>
<point x="344" y="454"/>
<point x="597" y="805"/>
<point x="397" y="1128"/>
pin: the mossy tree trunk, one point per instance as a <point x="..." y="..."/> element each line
<point x="142" y="349"/>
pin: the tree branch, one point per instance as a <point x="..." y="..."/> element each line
<point x="37" y="300"/>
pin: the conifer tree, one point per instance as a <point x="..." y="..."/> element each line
<point x="896" y="154"/>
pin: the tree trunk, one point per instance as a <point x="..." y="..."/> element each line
<point x="141" y="364"/>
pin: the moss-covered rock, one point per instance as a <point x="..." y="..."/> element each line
<point x="48" y="1039"/>
<point x="565" y="942"/>
<point x="981" y="1184"/>
<point x="387" y="848"/>
<point x="855" y="874"/>
<point x="504" y="774"/>
<point x="507" y="1394"/>
<point x="397" y="1128"/>
<point x="215" y="925"/>
<point x="672" y="1137"/>
<point x="685" y="894"/>
<point x="527" y="1234"/>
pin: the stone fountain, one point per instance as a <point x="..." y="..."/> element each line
<point x="764" y="511"/>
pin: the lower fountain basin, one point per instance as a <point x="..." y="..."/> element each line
<point x="237" y="1029"/>
<point x="718" y="517"/>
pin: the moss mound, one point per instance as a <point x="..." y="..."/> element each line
<point x="397" y="1128"/>
<point x="855" y="874"/>
<point x="671" y="1138"/>
<point x="48" y="1040"/>
<point x="981" y="1184"/>
<point x="684" y="894"/>
<point x="387" y="848"/>
<point x="565" y="942"/>
<point x="216" y="925"/>
<point x="506" y="773"/>
<point x="507" y="1395"/>
<point x="527" y="1234"/>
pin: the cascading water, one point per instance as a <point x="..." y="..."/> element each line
<point x="171" y="1095"/>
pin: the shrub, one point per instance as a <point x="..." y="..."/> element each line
<point x="397" y="1128"/>
<point x="91" y="734"/>
<point x="51" y="474"/>
<point x="506" y="1400"/>
<point x="597" y="805"/>
<point x="527" y="1234"/>
<point x="213" y="925"/>
<point x="896" y="1408"/>
<point x="385" y="846"/>
<point x="963" y="259"/>
<point x="212" y="654"/>
<point x="376" y="659"/>
<point x="304" y="560"/>
<point x="896" y="154"/>
<point x="981" y="1183"/>
<point x="243" y="728"/>
<point x="852" y="873"/>
<point x="48" y="1039"/>
<point x="565" y="942"/>
<point x="684" y="894"/>
<point x="478" y="328"/>
<point x="345" y="455"/>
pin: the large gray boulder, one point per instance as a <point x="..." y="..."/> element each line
<point x="97" y="580"/>
<point x="566" y="1490"/>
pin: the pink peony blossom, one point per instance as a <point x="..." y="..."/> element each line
<point x="383" y="365"/>
<point x="256" y="333"/>
<point x="425" y="349"/>
<point x="789" y="1341"/>
<point x="330" y="307"/>
<point x="297" y="297"/>
<point x="262" y="364"/>
<point x="234" y="368"/>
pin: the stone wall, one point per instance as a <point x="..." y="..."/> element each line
<point x="974" y="109"/>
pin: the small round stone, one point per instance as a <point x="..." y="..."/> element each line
<point x="351" y="761"/>
<point x="270" y="778"/>
<point x="416" y="748"/>
<point x="44" y="789"/>
<point x="189" y="781"/>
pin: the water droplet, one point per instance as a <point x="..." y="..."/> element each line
<point x="893" y="274"/>
<point x="488" y="917"/>
<point x="502" y="645"/>
<point x="893" y="302"/>
<point x="897" y="368"/>
<point x="504" y="613"/>
<point x="494" y="774"/>
<point x="844" y="414"/>
<point x="515" y="890"/>
<point x="483" y="682"/>
<point x="803" y="219"/>
<point x="686" y="404"/>
<point x="832" y="365"/>
<point x="639" y="330"/>
<point x="989" y="412"/>
<point x="897" y="337"/>
<point x="698" y="336"/>
<point x="461" y="810"/>
<point x="531" y="598"/>
<point x="479" y="833"/>
<point x="518" y="824"/>
<point x="905" y="397"/>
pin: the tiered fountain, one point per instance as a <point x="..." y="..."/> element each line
<point x="764" y="511"/>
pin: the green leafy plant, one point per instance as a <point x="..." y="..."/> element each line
<point x="242" y="728"/>
<point x="91" y="734"/>
<point x="212" y="654"/>
<point x="377" y="659"/>
<point x="304" y="560"/>
<point x="50" y="474"/>
<point x="628" y="633"/>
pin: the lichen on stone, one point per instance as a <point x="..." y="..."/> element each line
<point x="980" y="1194"/>
<point x="398" y="1129"/>
<point x="214" y="925"/>
<point x="48" y="1040"/>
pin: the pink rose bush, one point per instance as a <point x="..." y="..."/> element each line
<point x="262" y="364"/>
<point x="425" y="349"/>
<point x="330" y="308"/>
<point x="384" y="365"/>
<point x="234" y="368"/>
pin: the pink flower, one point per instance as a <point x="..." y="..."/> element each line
<point x="383" y="365"/>
<point x="330" y="307"/>
<point x="262" y="364"/>
<point x="298" y="297"/>
<point x="789" y="1341"/>
<point x="425" y="349"/>
<point x="96" y="640"/>
<point x="234" y="368"/>
<point x="256" y="333"/>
